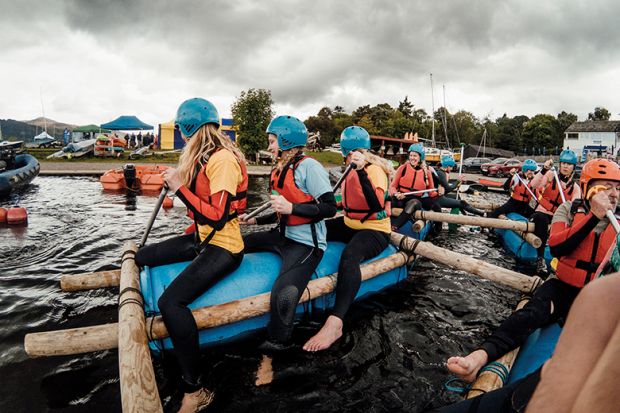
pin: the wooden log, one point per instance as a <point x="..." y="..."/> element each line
<point x="488" y="380"/>
<point x="418" y="225"/>
<point x="529" y="237"/>
<point x="488" y="206"/>
<point x="90" y="280"/>
<point x="474" y="220"/>
<point x="466" y="263"/>
<point x="86" y="339"/>
<point x="137" y="378"/>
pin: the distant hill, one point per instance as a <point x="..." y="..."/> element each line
<point x="27" y="130"/>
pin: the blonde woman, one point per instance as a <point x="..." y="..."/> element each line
<point x="365" y="227"/>
<point x="211" y="180"/>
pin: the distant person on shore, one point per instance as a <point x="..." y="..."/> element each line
<point x="211" y="180"/>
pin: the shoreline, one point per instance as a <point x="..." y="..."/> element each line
<point x="99" y="168"/>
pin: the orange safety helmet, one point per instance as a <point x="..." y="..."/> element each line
<point x="598" y="169"/>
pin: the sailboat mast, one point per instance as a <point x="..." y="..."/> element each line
<point x="43" y="111"/>
<point x="433" y="112"/>
<point x="445" y="117"/>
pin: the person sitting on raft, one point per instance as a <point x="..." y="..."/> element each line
<point x="549" y="199"/>
<point x="581" y="376"/>
<point x="446" y="199"/>
<point x="304" y="198"/>
<point x="581" y="235"/>
<point x="414" y="176"/>
<point x="365" y="227"/>
<point x="520" y="191"/>
<point x="212" y="181"/>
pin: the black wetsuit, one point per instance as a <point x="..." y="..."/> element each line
<point x="207" y="268"/>
<point x="450" y="201"/>
<point x="361" y="245"/>
<point x="298" y="264"/>
<point x="512" y="205"/>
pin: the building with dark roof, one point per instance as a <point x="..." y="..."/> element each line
<point x="598" y="136"/>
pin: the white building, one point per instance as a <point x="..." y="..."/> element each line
<point x="599" y="136"/>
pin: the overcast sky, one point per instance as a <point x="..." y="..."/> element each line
<point x="92" y="61"/>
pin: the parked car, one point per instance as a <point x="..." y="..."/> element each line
<point x="472" y="165"/>
<point x="503" y="169"/>
<point x="484" y="168"/>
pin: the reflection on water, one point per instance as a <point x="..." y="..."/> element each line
<point x="390" y="358"/>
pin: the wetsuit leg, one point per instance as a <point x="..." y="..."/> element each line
<point x="541" y="230"/>
<point x="411" y="205"/>
<point x="513" y="332"/>
<point x="176" y="249"/>
<point x="432" y="204"/>
<point x="213" y="264"/>
<point x="298" y="264"/>
<point x="512" y="398"/>
<point x="509" y="206"/>
<point x="447" y="201"/>
<point x="365" y="244"/>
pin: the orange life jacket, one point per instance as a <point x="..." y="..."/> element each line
<point x="520" y="192"/>
<point x="579" y="267"/>
<point x="284" y="184"/>
<point x="549" y="195"/>
<point x="237" y="204"/>
<point x="354" y="202"/>
<point x="414" y="179"/>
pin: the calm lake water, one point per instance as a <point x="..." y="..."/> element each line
<point x="390" y="358"/>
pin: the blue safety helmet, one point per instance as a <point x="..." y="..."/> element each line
<point x="447" y="161"/>
<point x="416" y="147"/>
<point x="291" y="132"/>
<point x="568" y="156"/>
<point x="529" y="165"/>
<point x="193" y="113"/>
<point x="352" y="138"/>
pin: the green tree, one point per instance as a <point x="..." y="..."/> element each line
<point x="406" y="108"/>
<point x="252" y="113"/>
<point x="600" y="113"/>
<point x="541" y="132"/>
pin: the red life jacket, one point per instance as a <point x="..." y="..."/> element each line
<point x="578" y="268"/>
<point x="284" y="184"/>
<point x="354" y="202"/>
<point x="520" y="192"/>
<point x="549" y="196"/>
<point x="414" y="179"/>
<point x="201" y="186"/>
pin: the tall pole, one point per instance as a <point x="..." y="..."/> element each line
<point x="433" y="111"/>
<point x="445" y="117"/>
<point x="43" y="110"/>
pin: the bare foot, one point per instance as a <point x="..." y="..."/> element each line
<point x="264" y="374"/>
<point x="195" y="402"/>
<point x="327" y="335"/>
<point x="467" y="367"/>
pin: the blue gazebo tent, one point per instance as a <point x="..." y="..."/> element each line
<point x="126" y="123"/>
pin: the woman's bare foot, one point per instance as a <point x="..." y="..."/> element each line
<point x="467" y="367"/>
<point x="327" y="335"/>
<point x="196" y="401"/>
<point x="264" y="374"/>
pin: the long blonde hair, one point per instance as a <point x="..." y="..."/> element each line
<point x="200" y="147"/>
<point x="382" y="163"/>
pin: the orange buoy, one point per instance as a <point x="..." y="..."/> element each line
<point x="168" y="202"/>
<point x="16" y="216"/>
<point x="3" y="215"/>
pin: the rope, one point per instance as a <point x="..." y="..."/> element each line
<point x="462" y="386"/>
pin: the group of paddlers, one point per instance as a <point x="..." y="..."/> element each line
<point x="212" y="181"/>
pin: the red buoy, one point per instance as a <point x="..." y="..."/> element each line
<point x="16" y="216"/>
<point x="168" y="203"/>
<point x="3" y="215"/>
